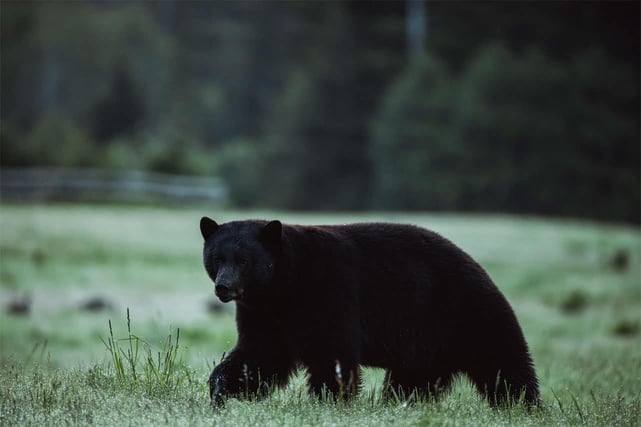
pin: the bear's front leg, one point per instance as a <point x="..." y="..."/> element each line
<point x="238" y="376"/>
<point x="336" y="379"/>
<point x="247" y="374"/>
<point x="332" y="353"/>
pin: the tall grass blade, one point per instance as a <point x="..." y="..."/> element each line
<point x="576" y="405"/>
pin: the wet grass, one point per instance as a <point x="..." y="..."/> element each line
<point x="575" y="287"/>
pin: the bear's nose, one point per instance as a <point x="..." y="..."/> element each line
<point x="223" y="284"/>
<point x="222" y="290"/>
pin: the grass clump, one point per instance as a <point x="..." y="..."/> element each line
<point x="136" y="365"/>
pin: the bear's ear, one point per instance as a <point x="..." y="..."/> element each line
<point x="271" y="234"/>
<point x="207" y="227"/>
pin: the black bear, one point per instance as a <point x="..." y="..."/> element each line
<point x="333" y="298"/>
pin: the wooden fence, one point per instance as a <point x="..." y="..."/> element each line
<point x="107" y="185"/>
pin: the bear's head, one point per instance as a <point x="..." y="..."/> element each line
<point x="240" y="256"/>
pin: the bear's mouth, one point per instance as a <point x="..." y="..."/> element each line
<point x="226" y="294"/>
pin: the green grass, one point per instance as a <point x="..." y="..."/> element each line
<point x="578" y="302"/>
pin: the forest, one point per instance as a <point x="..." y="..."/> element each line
<point x="512" y="107"/>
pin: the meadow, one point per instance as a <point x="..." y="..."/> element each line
<point x="107" y="317"/>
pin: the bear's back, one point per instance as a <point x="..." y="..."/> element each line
<point x="402" y="251"/>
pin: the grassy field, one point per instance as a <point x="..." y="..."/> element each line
<point x="69" y="271"/>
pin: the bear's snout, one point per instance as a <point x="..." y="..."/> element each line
<point x="227" y="283"/>
<point x="226" y="292"/>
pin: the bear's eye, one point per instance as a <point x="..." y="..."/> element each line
<point x="219" y="259"/>
<point x="243" y="261"/>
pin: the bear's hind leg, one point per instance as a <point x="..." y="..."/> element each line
<point x="400" y="384"/>
<point x="505" y="388"/>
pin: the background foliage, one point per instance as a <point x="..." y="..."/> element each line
<point x="514" y="107"/>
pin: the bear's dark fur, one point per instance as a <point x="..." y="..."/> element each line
<point x="332" y="298"/>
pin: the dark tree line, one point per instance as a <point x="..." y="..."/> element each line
<point x="514" y="106"/>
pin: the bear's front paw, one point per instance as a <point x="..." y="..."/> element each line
<point x="217" y="390"/>
<point x="217" y="401"/>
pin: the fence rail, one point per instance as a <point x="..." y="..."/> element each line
<point x="107" y="185"/>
